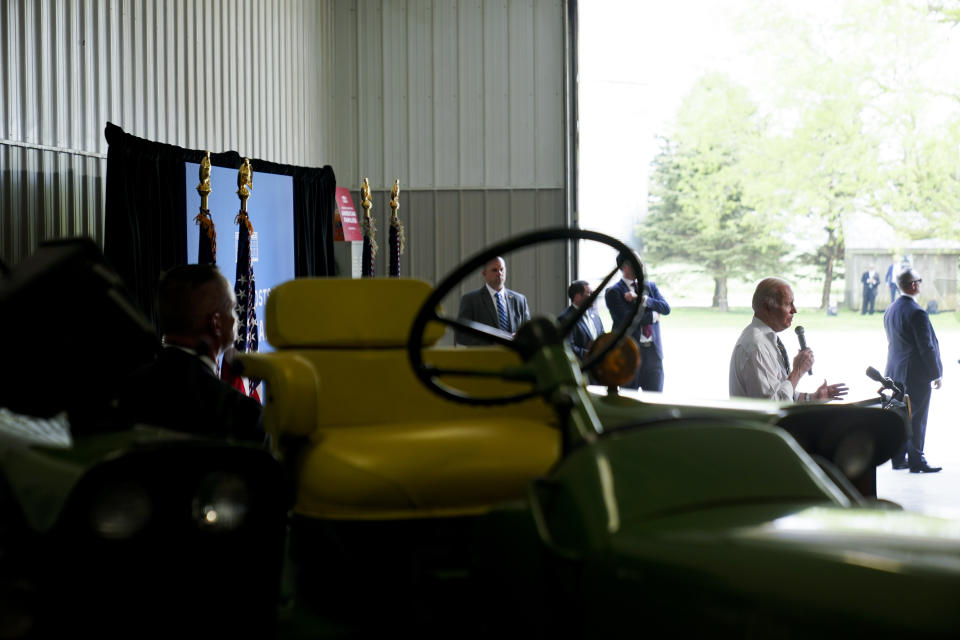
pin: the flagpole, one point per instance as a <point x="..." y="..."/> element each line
<point x="245" y="288"/>
<point x="396" y="233"/>
<point x="368" y="266"/>
<point x="207" y="249"/>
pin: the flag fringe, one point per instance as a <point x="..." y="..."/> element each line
<point x="401" y="234"/>
<point x="370" y="233"/>
<point x="207" y="227"/>
<point x="244" y="219"/>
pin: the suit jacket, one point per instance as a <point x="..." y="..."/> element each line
<point x="620" y="308"/>
<point x="179" y="391"/>
<point x="913" y="351"/>
<point x="580" y="337"/>
<point x="478" y="306"/>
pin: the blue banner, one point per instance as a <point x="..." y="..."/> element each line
<point x="270" y="208"/>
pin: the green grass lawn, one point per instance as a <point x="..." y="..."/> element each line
<point x="810" y="319"/>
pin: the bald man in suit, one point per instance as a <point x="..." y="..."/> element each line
<point x="913" y="360"/>
<point x="492" y="304"/>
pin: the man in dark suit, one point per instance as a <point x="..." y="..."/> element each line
<point x="589" y="326"/>
<point x="871" y="281"/>
<point x="180" y="389"/>
<point x="492" y="304"/>
<point x="891" y="280"/>
<point x="646" y="330"/>
<point x="913" y="360"/>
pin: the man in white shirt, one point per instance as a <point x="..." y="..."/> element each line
<point x="759" y="366"/>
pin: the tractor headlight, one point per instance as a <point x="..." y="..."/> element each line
<point x="120" y="511"/>
<point x="221" y="502"/>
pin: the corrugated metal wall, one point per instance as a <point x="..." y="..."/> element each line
<point x="448" y="93"/>
<point x="222" y="75"/>
<point x="463" y="101"/>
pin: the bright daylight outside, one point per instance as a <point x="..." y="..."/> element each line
<point x="729" y="141"/>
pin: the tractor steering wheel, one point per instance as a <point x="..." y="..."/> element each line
<point x="531" y="337"/>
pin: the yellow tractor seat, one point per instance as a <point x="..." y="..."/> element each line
<point x="365" y="437"/>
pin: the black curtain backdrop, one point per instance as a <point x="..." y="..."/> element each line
<point x="145" y="227"/>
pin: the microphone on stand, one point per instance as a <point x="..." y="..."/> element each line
<point x="887" y="383"/>
<point x="803" y="344"/>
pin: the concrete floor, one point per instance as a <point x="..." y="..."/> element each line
<point x="932" y="493"/>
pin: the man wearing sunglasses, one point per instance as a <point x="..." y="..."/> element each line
<point x="913" y="360"/>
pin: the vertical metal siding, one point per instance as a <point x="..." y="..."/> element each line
<point x="521" y="84"/>
<point x="242" y="75"/>
<point x="419" y="95"/>
<point x="497" y="128"/>
<point x="548" y="95"/>
<point x="472" y="105"/>
<point x="463" y="101"/>
<point x="396" y="83"/>
<point x="370" y="137"/>
<point x="450" y="94"/>
<point x="346" y="96"/>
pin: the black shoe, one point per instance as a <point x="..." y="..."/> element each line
<point x="923" y="467"/>
<point x="899" y="464"/>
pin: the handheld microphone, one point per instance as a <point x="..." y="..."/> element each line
<point x="803" y="344"/>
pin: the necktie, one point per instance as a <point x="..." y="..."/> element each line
<point x="502" y="314"/>
<point x="784" y="360"/>
<point x="591" y="329"/>
<point x="646" y="329"/>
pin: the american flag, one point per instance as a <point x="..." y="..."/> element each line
<point x="248" y="335"/>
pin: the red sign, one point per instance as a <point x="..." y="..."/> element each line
<point x="346" y="225"/>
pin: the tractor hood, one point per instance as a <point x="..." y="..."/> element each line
<point x="41" y="462"/>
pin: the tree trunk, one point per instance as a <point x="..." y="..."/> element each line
<point x="720" y="293"/>
<point x="827" y="283"/>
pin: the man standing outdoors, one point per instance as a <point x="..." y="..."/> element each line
<point x="891" y="280"/>
<point x="759" y="366"/>
<point x="492" y="304"/>
<point x="913" y="361"/>
<point x="589" y="326"/>
<point x="620" y="298"/>
<point x="870" y="280"/>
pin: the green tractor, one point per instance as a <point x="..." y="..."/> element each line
<point x="463" y="491"/>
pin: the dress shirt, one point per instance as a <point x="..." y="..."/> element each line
<point x="643" y="299"/>
<point x="588" y="320"/>
<point x="756" y="369"/>
<point x="503" y="298"/>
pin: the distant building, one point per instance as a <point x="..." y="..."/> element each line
<point x="870" y="241"/>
